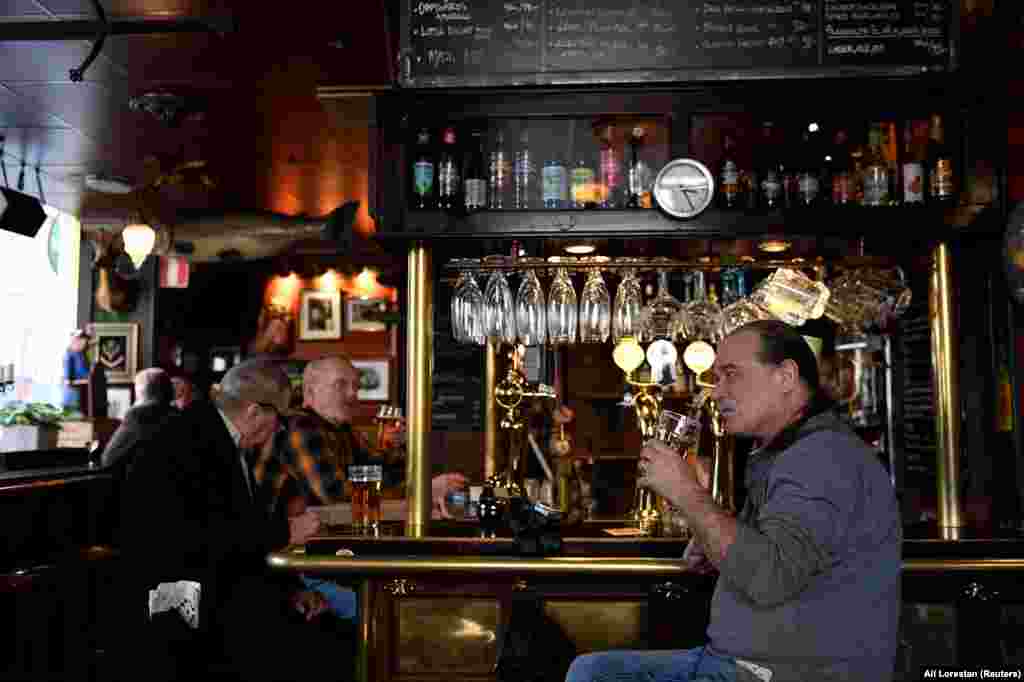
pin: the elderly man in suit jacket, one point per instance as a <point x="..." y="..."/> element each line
<point x="153" y="395"/>
<point x="191" y="514"/>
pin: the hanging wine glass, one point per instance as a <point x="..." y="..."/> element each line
<point x="661" y="317"/>
<point x="531" y="308"/>
<point x="743" y="310"/>
<point x="457" y="314"/>
<point x="499" y="304"/>
<point x="705" y="316"/>
<point x="562" y="308"/>
<point x="595" y="304"/>
<point x="468" y="316"/>
<point x="629" y="300"/>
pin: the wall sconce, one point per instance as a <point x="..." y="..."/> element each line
<point x="139" y="239"/>
<point x="366" y="283"/>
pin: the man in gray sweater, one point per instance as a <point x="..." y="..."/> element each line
<point x="809" y="571"/>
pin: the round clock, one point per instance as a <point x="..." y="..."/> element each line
<point x="684" y="188"/>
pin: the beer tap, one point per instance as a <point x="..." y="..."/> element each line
<point x="509" y="394"/>
<point x="628" y="356"/>
<point x="699" y="357"/>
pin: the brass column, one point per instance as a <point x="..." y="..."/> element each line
<point x="492" y="370"/>
<point x="946" y="377"/>
<point x="419" y="358"/>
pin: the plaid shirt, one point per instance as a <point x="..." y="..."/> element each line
<point x="311" y="454"/>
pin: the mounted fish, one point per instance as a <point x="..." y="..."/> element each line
<point x="211" y="236"/>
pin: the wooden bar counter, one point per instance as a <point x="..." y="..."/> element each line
<point x="441" y="605"/>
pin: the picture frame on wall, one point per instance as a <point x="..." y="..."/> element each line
<point x="359" y="314"/>
<point x="116" y="350"/>
<point x="319" y="315"/>
<point x="374" y="379"/>
<point x="119" y="399"/>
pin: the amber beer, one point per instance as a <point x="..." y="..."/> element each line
<point x="366" y="495"/>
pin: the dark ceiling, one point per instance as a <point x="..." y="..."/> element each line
<point x="252" y="91"/>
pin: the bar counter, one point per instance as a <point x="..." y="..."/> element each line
<point x="441" y="603"/>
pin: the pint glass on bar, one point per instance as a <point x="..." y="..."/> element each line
<point x="366" y="495"/>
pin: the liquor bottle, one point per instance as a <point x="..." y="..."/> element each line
<point x="500" y="170"/>
<point x="839" y="165"/>
<point x="808" y="189"/>
<point x="423" y="173"/>
<point x="555" y="184"/>
<point x="524" y="174"/>
<point x="475" y="184"/>
<point x="913" y="168"/>
<point x="771" y="196"/>
<point x="876" y="170"/>
<point x="890" y="152"/>
<point x="610" y="170"/>
<point x="583" y="181"/>
<point x="640" y="177"/>
<point x="729" y="179"/>
<point x="857" y="161"/>
<point x="941" y="179"/>
<point x="449" y="175"/>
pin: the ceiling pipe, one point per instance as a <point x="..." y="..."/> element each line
<point x="23" y="31"/>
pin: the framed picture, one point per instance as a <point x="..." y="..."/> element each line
<point x="319" y="315"/>
<point x="119" y="399"/>
<point x="357" y="310"/>
<point x="374" y="379"/>
<point x="117" y="350"/>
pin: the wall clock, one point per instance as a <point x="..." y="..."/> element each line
<point x="684" y="188"/>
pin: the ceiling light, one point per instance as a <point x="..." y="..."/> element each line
<point x="774" y="245"/>
<point x="580" y="249"/>
<point x="813" y="127"/>
<point x="139" y="239"/>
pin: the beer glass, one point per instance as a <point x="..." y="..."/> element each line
<point x="366" y="482"/>
<point x="678" y="431"/>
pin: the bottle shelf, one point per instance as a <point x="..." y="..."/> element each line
<point x="909" y="222"/>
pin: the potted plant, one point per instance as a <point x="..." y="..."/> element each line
<point x="31" y="426"/>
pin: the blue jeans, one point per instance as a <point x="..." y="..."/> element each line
<point x="686" y="665"/>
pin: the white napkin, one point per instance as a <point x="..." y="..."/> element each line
<point x="182" y="596"/>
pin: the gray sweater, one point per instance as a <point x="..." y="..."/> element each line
<point x="811" y="586"/>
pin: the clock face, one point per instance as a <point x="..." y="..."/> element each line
<point x="684" y="188"/>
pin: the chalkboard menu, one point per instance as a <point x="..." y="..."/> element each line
<point x="895" y="32"/>
<point x="446" y="40"/>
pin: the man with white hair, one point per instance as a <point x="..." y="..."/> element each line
<point x="191" y="514"/>
<point x="314" y="454"/>
<point x="153" y="395"/>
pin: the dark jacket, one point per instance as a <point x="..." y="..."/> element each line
<point x="187" y="514"/>
<point x="140" y="422"/>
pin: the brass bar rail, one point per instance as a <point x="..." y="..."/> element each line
<point x="296" y="560"/>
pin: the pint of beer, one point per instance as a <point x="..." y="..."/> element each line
<point x="366" y="495"/>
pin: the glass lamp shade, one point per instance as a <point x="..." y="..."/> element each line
<point x="628" y="355"/>
<point x="699" y="356"/>
<point x="138" y="239"/>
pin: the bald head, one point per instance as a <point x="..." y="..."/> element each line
<point x="153" y="385"/>
<point x="330" y="388"/>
